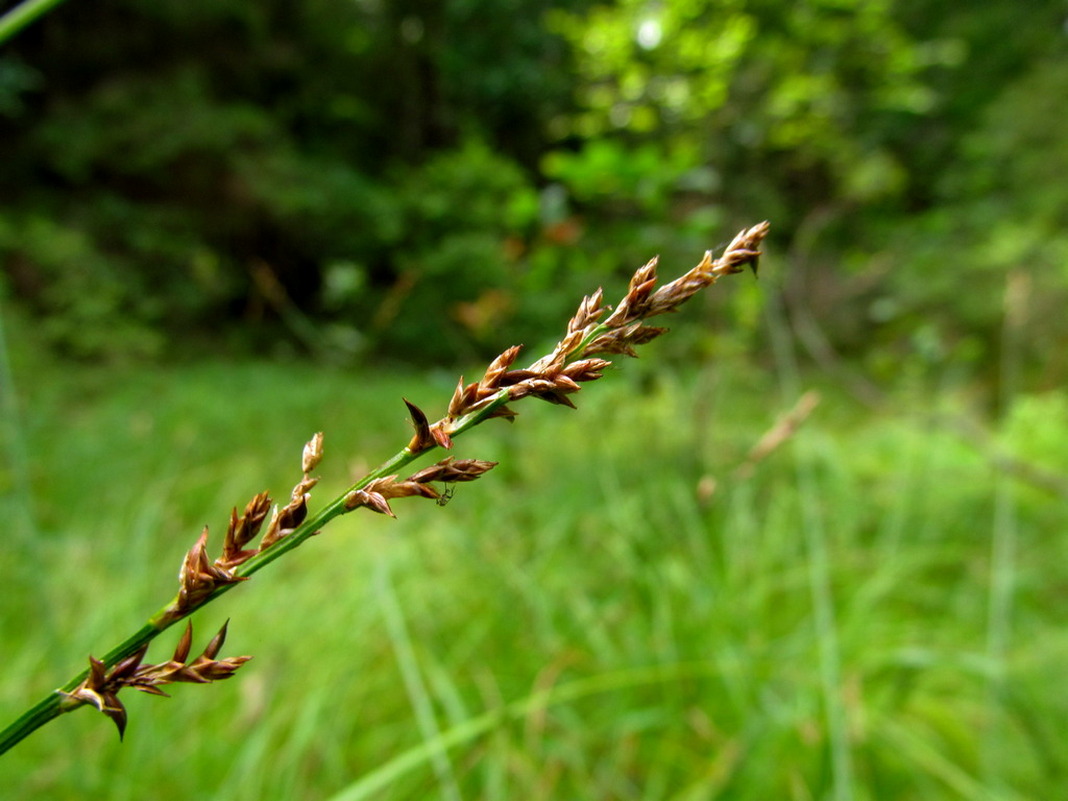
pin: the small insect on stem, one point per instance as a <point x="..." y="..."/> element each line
<point x="446" y="496"/>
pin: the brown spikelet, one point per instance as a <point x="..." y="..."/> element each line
<point x="462" y="399"/>
<point x="243" y="530"/>
<point x="498" y="368"/>
<point x="589" y="311"/>
<point x="635" y="304"/>
<point x="101" y="687"/>
<point x="199" y="577"/>
<point x="449" y="469"/>
<point x="374" y="501"/>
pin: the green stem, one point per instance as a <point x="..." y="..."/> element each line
<point x="22" y="15"/>
<point x="52" y="705"/>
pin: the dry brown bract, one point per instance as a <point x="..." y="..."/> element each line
<point x="101" y="686"/>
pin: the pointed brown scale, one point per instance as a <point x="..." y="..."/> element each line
<point x="194" y="559"/>
<point x="433" y="472"/>
<point x="586" y="369"/>
<point x="515" y="376"/>
<point x="637" y="299"/>
<point x="736" y="260"/>
<point x="128" y="666"/>
<point x="408" y="489"/>
<point x="381" y="485"/>
<point x="199" y="577"/>
<point x="96" y="678"/>
<point x="498" y="368"/>
<point x="163" y="673"/>
<point x="520" y="390"/>
<point x="297" y="512"/>
<point x="150" y="689"/>
<point x="449" y="469"/>
<point x="567" y="346"/>
<point x="181" y="650"/>
<point x="188" y="674"/>
<point x="457" y="400"/>
<point x="468" y="469"/>
<point x="293" y="513"/>
<point x="242" y="531"/>
<point x="470" y="396"/>
<point x="117" y="712"/>
<point x="313" y="453"/>
<point x="405" y="489"/>
<point x="256" y="512"/>
<point x="640" y="334"/>
<point x="644" y="274"/>
<point x="219" y="670"/>
<point x="550" y="364"/>
<point x="565" y="384"/>
<point x="589" y="311"/>
<point x="231" y="530"/>
<point x="274" y="530"/>
<point x="229" y="561"/>
<point x="372" y="500"/>
<point x="635" y="303"/>
<point x="217" y="641"/>
<point x="303" y="487"/>
<point x="422" y="439"/>
<point x="554" y="397"/>
<point x="707" y="263"/>
<point x="441" y="436"/>
<point x="377" y="502"/>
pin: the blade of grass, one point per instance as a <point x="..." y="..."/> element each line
<point x="418" y="695"/>
<point x="815" y="539"/>
<point x="470" y="730"/>
<point x="12" y="435"/>
<point x="1002" y="549"/>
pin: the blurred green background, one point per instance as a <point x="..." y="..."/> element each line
<point x="227" y="225"/>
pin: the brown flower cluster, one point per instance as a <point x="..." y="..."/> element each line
<point x="200" y="576"/>
<point x="101" y="687"/>
<point x="377" y="494"/>
<point x="576" y="358"/>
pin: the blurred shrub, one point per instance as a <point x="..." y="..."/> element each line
<point x="85" y="300"/>
<point x="431" y="179"/>
<point x="997" y="243"/>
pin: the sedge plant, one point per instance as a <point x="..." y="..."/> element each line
<point x="595" y="331"/>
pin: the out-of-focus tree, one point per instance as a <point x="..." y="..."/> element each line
<point x="847" y="122"/>
<point x="178" y="166"/>
<point x="219" y="170"/>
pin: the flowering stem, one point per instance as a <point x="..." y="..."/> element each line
<point x="55" y="703"/>
<point x="551" y="378"/>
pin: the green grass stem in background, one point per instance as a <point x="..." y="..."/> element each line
<point x="15" y="19"/>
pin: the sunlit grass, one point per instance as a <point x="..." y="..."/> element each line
<point x="579" y="624"/>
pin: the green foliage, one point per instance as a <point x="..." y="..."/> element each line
<point x="809" y="86"/>
<point x="227" y="169"/>
<point x="998" y="226"/>
<point x="88" y="306"/>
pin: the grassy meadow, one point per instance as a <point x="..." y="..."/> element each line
<point x="877" y="611"/>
